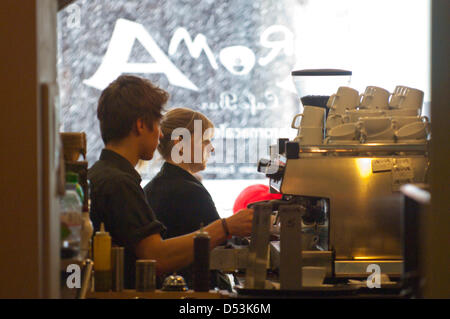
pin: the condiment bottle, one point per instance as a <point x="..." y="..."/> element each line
<point x="201" y="261"/>
<point x="102" y="260"/>
<point x="72" y="182"/>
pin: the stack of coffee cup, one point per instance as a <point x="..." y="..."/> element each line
<point x="391" y="129"/>
<point x="345" y="99"/>
<point x="400" y="121"/>
<point x="376" y="116"/>
<point x="343" y="134"/>
<point x="310" y="127"/>
<point x="406" y="101"/>
<point x="411" y="129"/>
<point x="374" y="98"/>
<point x="340" y="130"/>
<point x="372" y="103"/>
<point x="376" y="129"/>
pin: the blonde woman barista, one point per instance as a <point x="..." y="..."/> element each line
<point x="178" y="198"/>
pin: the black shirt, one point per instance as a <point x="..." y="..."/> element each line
<point x="118" y="201"/>
<point x="180" y="201"/>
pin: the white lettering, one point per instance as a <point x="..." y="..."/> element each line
<point x="209" y="148"/>
<point x="286" y="44"/>
<point x="74" y="279"/>
<point x="198" y="139"/>
<point x="195" y="48"/>
<point x="181" y="151"/>
<point x="74" y="18"/>
<point x="182" y="309"/>
<point x="209" y="309"/>
<point x="238" y="60"/>
<point x="247" y="101"/>
<point x="374" y="280"/>
<point x="228" y="100"/>
<point x="196" y="309"/>
<point x="265" y="310"/>
<point x="115" y="61"/>
<point x="229" y="145"/>
<point x="226" y="308"/>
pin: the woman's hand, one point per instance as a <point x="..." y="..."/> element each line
<point x="240" y="224"/>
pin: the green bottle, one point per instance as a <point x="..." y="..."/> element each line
<point x="72" y="182"/>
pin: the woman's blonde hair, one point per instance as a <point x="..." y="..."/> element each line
<point x="179" y="118"/>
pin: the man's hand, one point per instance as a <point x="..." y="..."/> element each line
<point x="177" y="252"/>
<point x="240" y="224"/>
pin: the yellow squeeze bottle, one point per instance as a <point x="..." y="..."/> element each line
<point x="102" y="260"/>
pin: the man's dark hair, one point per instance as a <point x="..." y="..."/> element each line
<point x="125" y="100"/>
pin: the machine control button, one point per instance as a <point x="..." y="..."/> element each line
<point x="381" y="165"/>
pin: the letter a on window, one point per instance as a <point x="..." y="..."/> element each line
<point x="115" y="61"/>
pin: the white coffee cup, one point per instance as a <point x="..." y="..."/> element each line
<point x="310" y="136"/>
<point x="334" y="119"/>
<point x="312" y="116"/>
<point x="374" y="125"/>
<point x="346" y="98"/>
<point x="397" y="96"/>
<point x="354" y="115"/>
<point x="403" y="112"/>
<point x="412" y="99"/>
<point x="400" y="121"/>
<point x="416" y="130"/>
<point x="386" y="136"/>
<point x="346" y="131"/>
<point x="374" y="97"/>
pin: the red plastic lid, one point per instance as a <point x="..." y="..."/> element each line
<point x="251" y="194"/>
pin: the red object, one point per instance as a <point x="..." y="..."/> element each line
<point x="251" y="194"/>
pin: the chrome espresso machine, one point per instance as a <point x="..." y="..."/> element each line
<point x="341" y="207"/>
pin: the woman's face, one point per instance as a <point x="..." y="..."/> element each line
<point x="206" y="149"/>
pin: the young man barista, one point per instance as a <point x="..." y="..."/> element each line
<point x="129" y="111"/>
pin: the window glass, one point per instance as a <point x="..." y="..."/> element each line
<point x="232" y="60"/>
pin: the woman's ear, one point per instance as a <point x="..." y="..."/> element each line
<point x="176" y="141"/>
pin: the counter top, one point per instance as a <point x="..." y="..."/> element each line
<point x="158" y="294"/>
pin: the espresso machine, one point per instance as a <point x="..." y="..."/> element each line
<point x="341" y="207"/>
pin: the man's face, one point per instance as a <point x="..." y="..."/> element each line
<point x="150" y="139"/>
